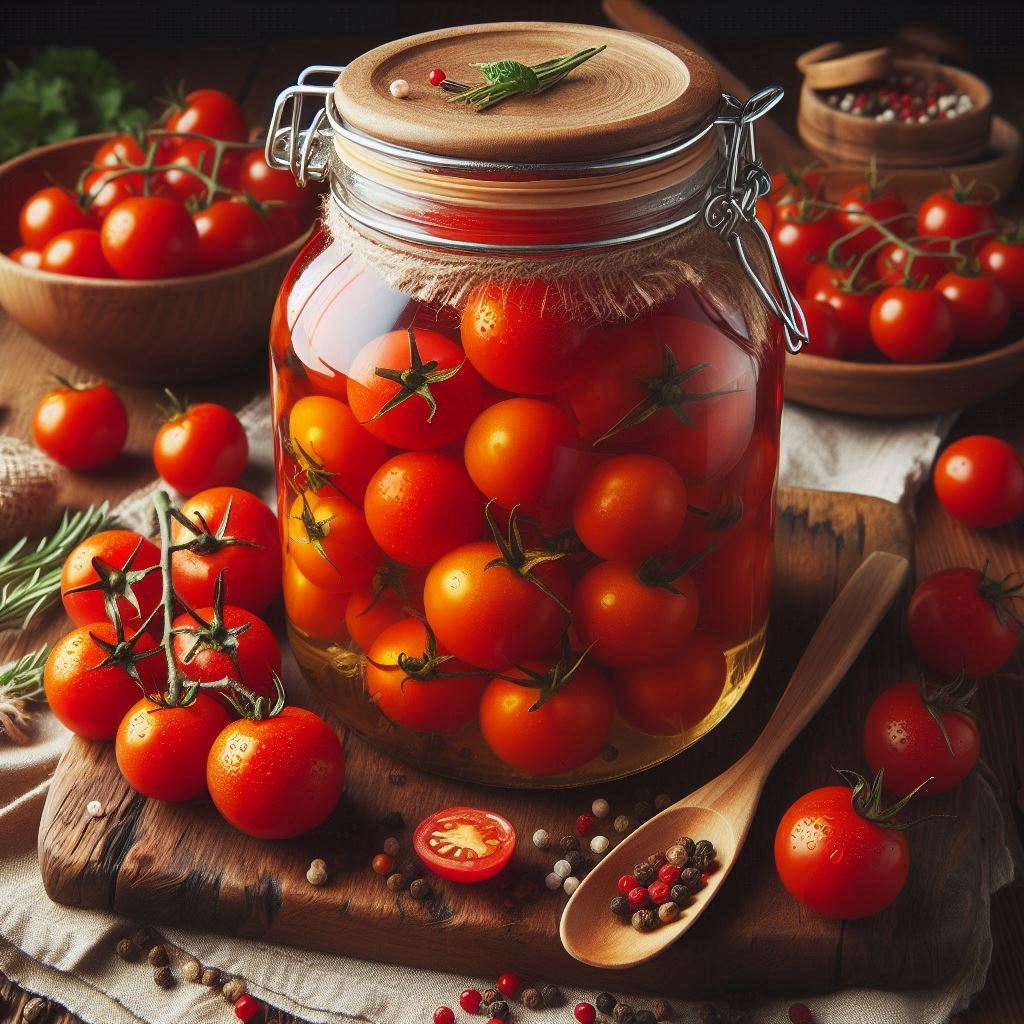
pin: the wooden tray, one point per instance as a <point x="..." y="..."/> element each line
<point x="183" y="865"/>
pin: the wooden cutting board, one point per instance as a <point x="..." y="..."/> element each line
<point x="182" y="865"/>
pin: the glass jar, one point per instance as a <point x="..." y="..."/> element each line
<point x="528" y="415"/>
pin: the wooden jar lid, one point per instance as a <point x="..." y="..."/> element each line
<point x="635" y="94"/>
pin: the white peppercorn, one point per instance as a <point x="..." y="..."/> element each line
<point x="621" y="823"/>
<point x="541" y="839"/>
<point x="192" y="970"/>
<point x="570" y="885"/>
<point x="562" y="868"/>
<point x="599" y="845"/>
<point x="553" y="881"/>
<point x="316" y="873"/>
<point x="600" y="808"/>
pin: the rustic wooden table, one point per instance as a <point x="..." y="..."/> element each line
<point x="255" y="76"/>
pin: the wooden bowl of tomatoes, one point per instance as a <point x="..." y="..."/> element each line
<point x="168" y="319"/>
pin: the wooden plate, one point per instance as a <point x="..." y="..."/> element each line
<point x="893" y="390"/>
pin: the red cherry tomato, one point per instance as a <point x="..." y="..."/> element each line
<point x="464" y="844"/>
<point x="120" y="151"/>
<point x="162" y="752"/>
<point x="210" y="112"/>
<point x="277" y="777"/>
<point x="903" y="738"/>
<point x="102" y="196"/>
<point x="835" y="861"/>
<point x="385" y="373"/>
<point x="893" y="263"/>
<point x="791" y="185"/>
<point x="960" y="620"/>
<point x="824" y="332"/>
<point x="801" y="239"/>
<point x="27" y="257"/>
<point x="367" y="616"/>
<point x="953" y="213"/>
<point x="852" y="306"/>
<point x="262" y="182"/>
<point x="200" y="446"/>
<point x="981" y="309"/>
<point x="90" y="698"/>
<point x="77" y="252"/>
<point x="49" y="212"/>
<point x="149" y="237"/>
<point x="980" y="481"/>
<point x="521" y="338"/>
<point x="81" y="426"/>
<point x="864" y="199"/>
<point x="1003" y="260"/>
<point x="420" y="505"/>
<point x="182" y="184"/>
<point x="912" y="325"/>
<point x="230" y="231"/>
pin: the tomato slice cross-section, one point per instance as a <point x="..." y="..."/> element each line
<point x="464" y="844"/>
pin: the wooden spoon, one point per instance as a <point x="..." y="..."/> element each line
<point x="723" y="809"/>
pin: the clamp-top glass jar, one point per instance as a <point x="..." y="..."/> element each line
<point x="527" y="386"/>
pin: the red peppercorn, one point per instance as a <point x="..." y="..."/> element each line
<point x="658" y="892"/>
<point x="637" y="897"/>
<point x="704" y="878"/>
<point x="246" y="1007"/>
<point x="470" y="1000"/>
<point x="584" y="1013"/>
<point x="444" y="1015"/>
<point x="508" y="985"/>
<point x="669" y="873"/>
<point x="436" y="77"/>
<point x="382" y="864"/>
<point x="800" y="1014"/>
<point x="626" y="884"/>
<point x="585" y="824"/>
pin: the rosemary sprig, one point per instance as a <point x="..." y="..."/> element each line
<point x="508" y="78"/>
<point x="30" y="579"/>
<point x="20" y="682"/>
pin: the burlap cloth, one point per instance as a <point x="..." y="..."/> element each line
<point x="67" y="955"/>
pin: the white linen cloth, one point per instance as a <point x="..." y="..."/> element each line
<point x="68" y="955"/>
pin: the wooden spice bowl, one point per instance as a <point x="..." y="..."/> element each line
<point x="900" y="390"/>
<point x="168" y="331"/>
<point x="836" y="136"/>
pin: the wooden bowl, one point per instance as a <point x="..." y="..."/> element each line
<point x="839" y="136"/>
<point x="169" y="331"/>
<point x="899" y="390"/>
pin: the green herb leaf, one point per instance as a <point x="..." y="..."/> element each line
<point x="510" y="72"/>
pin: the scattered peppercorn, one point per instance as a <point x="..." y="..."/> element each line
<point x="211" y="977"/>
<point x="645" y="920"/>
<point x="396" y="882"/>
<point x="644" y="1017"/>
<point x="470" y="1000"/>
<point x="316" y="873"/>
<point x="584" y="1013"/>
<point x="541" y="839"/>
<point x="419" y="889"/>
<point x="569" y="842"/>
<point x="498" y="1009"/>
<point x="644" y="873"/>
<point x="508" y="984"/>
<point x="642" y="810"/>
<point x="662" y="1010"/>
<point x="562" y="868"/>
<point x="490" y="995"/>
<point x="575" y="859"/>
<point x="382" y="864"/>
<point x="33" y="1010"/>
<point x="163" y="977"/>
<point x="621" y="907"/>
<point x="391" y="846"/>
<point x="128" y="949"/>
<point x="585" y="824"/>
<point x="532" y="999"/>
<point x="192" y="970"/>
<point x="621" y="823"/>
<point x="668" y="912"/>
<point x="553" y="881"/>
<point x="552" y="995"/>
<point x="444" y="1015"/>
<point x="605" y="1002"/>
<point x="411" y="868"/>
<point x="393" y="820"/>
<point x="570" y="885"/>
<point x="623" y="1014"/>
<point x="600" y="808"/>
<point x="234" y="989"/>
<point x="800" y="1013"/>
<point x="157" y="956"/>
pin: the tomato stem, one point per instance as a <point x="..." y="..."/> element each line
<point x="866" y="798"/>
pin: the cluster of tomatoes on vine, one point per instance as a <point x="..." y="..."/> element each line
<point x="170" y="659"/>
<point x="879" y="280"/>
<point x="190" y="196"/>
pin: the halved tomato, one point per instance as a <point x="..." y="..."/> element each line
<point x="464" y="844"/>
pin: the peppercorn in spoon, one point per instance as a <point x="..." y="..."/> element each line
<point x="722" y="810"/>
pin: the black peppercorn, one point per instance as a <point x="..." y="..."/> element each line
<point x="643" y="809"/>
<point x="531" y="999"/>
<point x="662" y="1010"/>
<point x="623" y="1014"/>
<point x="645" y="1017"/>
<point x="690" y="877"/>
<point x="621" y="907"/>
<point x="703" y="854"/>
<point x="410" y="868"/>
<point x="552" y="995"/>
<point x="687" y="844"/>
<point x="644" y="873"/>
<point x="420" y="889"/>
<point x="680" y="894"/>
<point x="568" y="843"/>
<point x="393" y="821"/>
<point x="498" y="1009"/>
<point x="575" y="859"/>
<point x="605" y="1002"/>
<point x="645" y="920"/>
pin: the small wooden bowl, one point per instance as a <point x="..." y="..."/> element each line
<point x="842" y="137"/>
<point x="898" y="391"/>
<point x="169" y="331"/>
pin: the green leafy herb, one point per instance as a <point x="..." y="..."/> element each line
<point x="63" y="93"/>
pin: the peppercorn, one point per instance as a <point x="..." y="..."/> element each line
<point x="211" y="977"/>
<point x="642" y="810"/>
<point x="600" y="808"/>
<point x="396" y="882"/>
<point x="157" y="956"/>
<point x="552" y="995"/>
<point x="575" y="859"/>
<point x="668" y="912"/>
<point x="657" y="860"/>
<point x="638" y="897"/>
<point x="645" y="920"/>
<point x="145" y="939"/>
<point x="391" y="846"/>
<point x="562" y="868"/>
<point x="585" y="824"/>
<point x="658" y="892"/>
<point x="569" y="842"/>
<point x="128" y="949"/>
<point x="704" y="849"/>
<point x="599" y="845"/>
<point x="316" y="873"/>
<point x="644" y="1017"/>
<point x="419" y="889"/>
<point x="234" y="989"/>
<point x="570" y="885"/>
<point x="669" y="874"/>
<point x="163" y="977"/>
<point x="677" y="856"/>
<point x="623" y="1014"/>
<point x="498" y="1009"/>
<point x="644" y="873"/>
<point x="605" y="1002"/>
<point x="621" y="823"/>
<point x="680" y="895"/>
<point x="33" y="1010"/>
<point x="687" y="844"/>
<point x="662" y="1010"/>
<point x="690" y="877"/>
<point x="393" y="821"/>
<point x="621" y="907"/>
<point x="192" y="970"/>
<point x="541" y="839"/>
<point x="490" y="995"/>
<point x="470" y="1000"/>
<point x="410" y="868"/>
<point x="662" y="801"/>
<point x="531" y="999"/>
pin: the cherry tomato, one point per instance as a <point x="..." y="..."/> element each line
<point x="31" y="258"/>
<point x="252" y="568"/>
<point x="423" y="361"/>
<point x="464" y="844"/>
<point x="980" y="481"/>
<point x="210" y="112"/>
<point x="566" y="731"/>
<point x="960" y="620"/>
<point x="791" y="185"/>
<point x="824" y="332"/>
<point x="666" y="700"/>
<point x="327" y="439"/>
<point x="114" y="552"/>
<point x="162" y="751"/>
<point x="903" y="738"/>
<point x="200" y="446"/>
<point x="366" y="618"/>
<point x="521" y="452"/>
<point x="81" y="426"/>
<point x="277" y="777"/>
<point x="240" y="646"/>
<point x="836" y="862"/>
<point x="120" y="151"/>
<point x="630" y="506"/>
<point x="316" y="611"/>
<point x="826" y="273"/>
<point x="865" y="199"/>
<point x="149" y="237"/>
<point x="91" y="698"/>
<point x="521" y="338"/>
<point x="893" y="263"/>
<point x="912" y="325"/>
<point x="766" y="213"/>
<point x="420" y="505"/>
<point x="980" y="306"/>
<point x="103" y="195"/>
<point x="952" y="213"/>
<point x="49" y="212"/>
<point x="735" y="501"/>
<point x="410" y="683"/>
<point x="258" y="179"/>
<point x="231" y="231"/>
<point x="852" y="306"/>
<point x="1003" y="260"/>
<point x="634" y="615"/>
<point x="77" y="252"/>
<point x="493" y="617"/>
<point x="801" y="239"/>
<point x="182" y="184"/>
<point x="331" y="543"/>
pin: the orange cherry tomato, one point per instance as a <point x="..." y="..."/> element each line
<point x="314" y="610"/>
<point x="366" y="618"/>
<point x="331" y="543"/>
